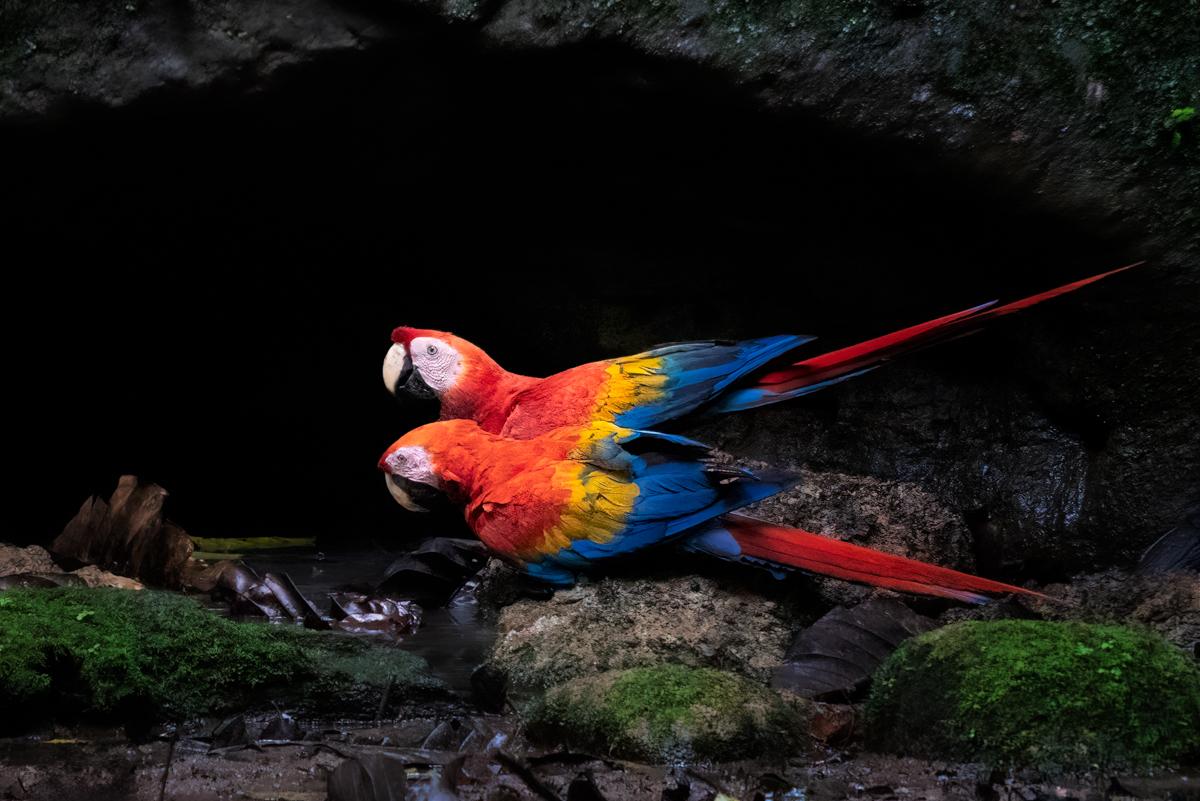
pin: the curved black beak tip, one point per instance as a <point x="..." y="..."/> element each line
<point x="411" y="383"/>
<point x="415" y="496"/>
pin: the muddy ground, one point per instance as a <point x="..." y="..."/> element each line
<point x="92" y="765"/>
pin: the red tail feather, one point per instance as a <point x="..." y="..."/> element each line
<point x="802" y="549"/>
<point x="837" y="363"/>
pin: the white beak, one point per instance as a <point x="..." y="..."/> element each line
<point x="393" y="365"/>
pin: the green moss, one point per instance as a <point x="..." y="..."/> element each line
<point x="1180" y="128"/>
<point x="114" y="653"/>
<point x="668" y="714"/>
<point x="1065" y="695"/>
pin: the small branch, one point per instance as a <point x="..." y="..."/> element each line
<point x="162" y="788"/>
<point x="383" y="701"/>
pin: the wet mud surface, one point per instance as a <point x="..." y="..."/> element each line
<point x="97" y="765"/>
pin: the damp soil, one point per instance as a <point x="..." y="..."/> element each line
<point x="102" y="764"/>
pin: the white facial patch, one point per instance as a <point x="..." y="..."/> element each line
<point x="438" y="363"/>
<point x="412" y="462"/>
<point x="393" y="364"/>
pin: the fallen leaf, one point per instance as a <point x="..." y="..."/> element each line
<point x="1178" y="549"/>
<point x="432" y="573"/>
<point x="838" y="653"/>
<point x="128" y="535"/>
<point x="368" y="777"/>
<point x="226" y="545"/>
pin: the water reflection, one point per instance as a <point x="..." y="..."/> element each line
<point x="453" y="640"/>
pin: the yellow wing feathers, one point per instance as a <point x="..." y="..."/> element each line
<point x="629" y="383"/>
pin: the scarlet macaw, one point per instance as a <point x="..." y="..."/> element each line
<point x="664" y="386"/>
<point x="578" y="496"/>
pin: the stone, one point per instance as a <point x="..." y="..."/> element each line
<point x="33" y="559"/>
<point x="619" y="624"/>
<point x="668" y="714"/>
<point x="1166" y="603"/>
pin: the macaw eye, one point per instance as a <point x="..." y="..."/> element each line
<point x="431" y="350"/>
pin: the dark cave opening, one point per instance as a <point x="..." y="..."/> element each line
<point x="210" y="275"/>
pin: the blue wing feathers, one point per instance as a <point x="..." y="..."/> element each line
<point x="700" y="371"/>
<point x="673" y="498"/>
<point x="548" y="571"/>
<point x="676" y="493"/>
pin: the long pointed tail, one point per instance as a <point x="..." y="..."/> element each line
<point x="829" y="368"/>
<point x="793" y="548"/>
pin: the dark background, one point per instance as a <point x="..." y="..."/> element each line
<point x="201" y="285"/>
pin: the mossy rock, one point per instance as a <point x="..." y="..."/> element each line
<point x="630" y="622"/>
<point x="668" y="714"/>
<point x="142" y="656"/>
<point x="1038" y="694"/>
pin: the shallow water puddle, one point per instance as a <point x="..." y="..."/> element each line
<point x="453" y="640"/>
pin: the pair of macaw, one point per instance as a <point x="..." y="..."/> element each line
<point x="556" y="475"/>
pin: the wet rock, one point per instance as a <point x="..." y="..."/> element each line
<point x="95" y="577"/>
<point x="499" y="585"/>
<point x="78" y="770"/>
<point x="835" y="724"/>
<point x="489" y="686"/>
<point x="38" y="561"/>
<point x="584" y="789"/>
<point x="668" y="714"/>
<point x="27" y="581"/>
<point x="1167" y="603"/>
<point x="618" y="624"/>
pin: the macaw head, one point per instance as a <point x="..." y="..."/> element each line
<point x="428" y="364"/>
<point x="414" y="475"/>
